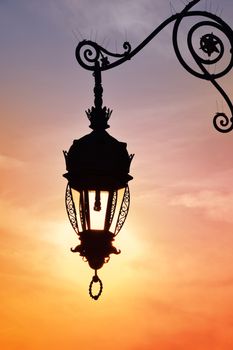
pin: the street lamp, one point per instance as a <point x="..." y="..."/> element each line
<point x="97" y="194"/>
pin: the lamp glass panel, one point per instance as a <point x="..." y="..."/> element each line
<point x="93" y="206"/>
<point x="98" y="206"/>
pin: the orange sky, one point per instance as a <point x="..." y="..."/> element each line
<point x="171" y="287"/>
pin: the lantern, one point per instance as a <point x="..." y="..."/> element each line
<point x="97" y="195"/>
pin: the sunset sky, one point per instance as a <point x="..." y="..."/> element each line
<point x="171" y="288"/>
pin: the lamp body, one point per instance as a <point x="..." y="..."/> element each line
<point x="97" y="194"/>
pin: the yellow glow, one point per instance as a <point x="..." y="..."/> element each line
<point x="97" y="217"/>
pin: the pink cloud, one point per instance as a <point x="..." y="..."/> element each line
<point x="216" y="205"/>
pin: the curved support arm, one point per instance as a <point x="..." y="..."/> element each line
<point x="88" y="52"/>
<point x="90" y="55"/>
<point x="210" y="52"/>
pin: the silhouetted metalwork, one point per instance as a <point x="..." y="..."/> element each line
<point x="213" y="48"/>
<point x="123" y="211"/>
<point x="98" y="164"/>
<point x="70" y="208"/>
<point x="88" y="53"/>
<point x="97" y="169"/>
<point x="95" y="279"/>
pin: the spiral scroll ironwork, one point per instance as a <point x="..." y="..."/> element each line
<point x="88" y="53"/>
<point x="210" y="52"/>
<point x="91" y="56"/>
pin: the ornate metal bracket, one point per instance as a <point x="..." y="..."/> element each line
<point x="210" y="51"/>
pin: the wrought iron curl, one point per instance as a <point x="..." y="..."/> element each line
<point x="88" y="53"/>
<point x="209" y="43"/>
<point x="212" y="47"/>
<point x="221" y="122"/>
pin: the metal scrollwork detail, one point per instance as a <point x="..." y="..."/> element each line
<point x="221" y="122"/>
<point x="88" y="53"/>
<point x="93" y="57"/>
<point x="211" y="50"/>
<point x="70" y="208"/>
<point x="123" y="211"/>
